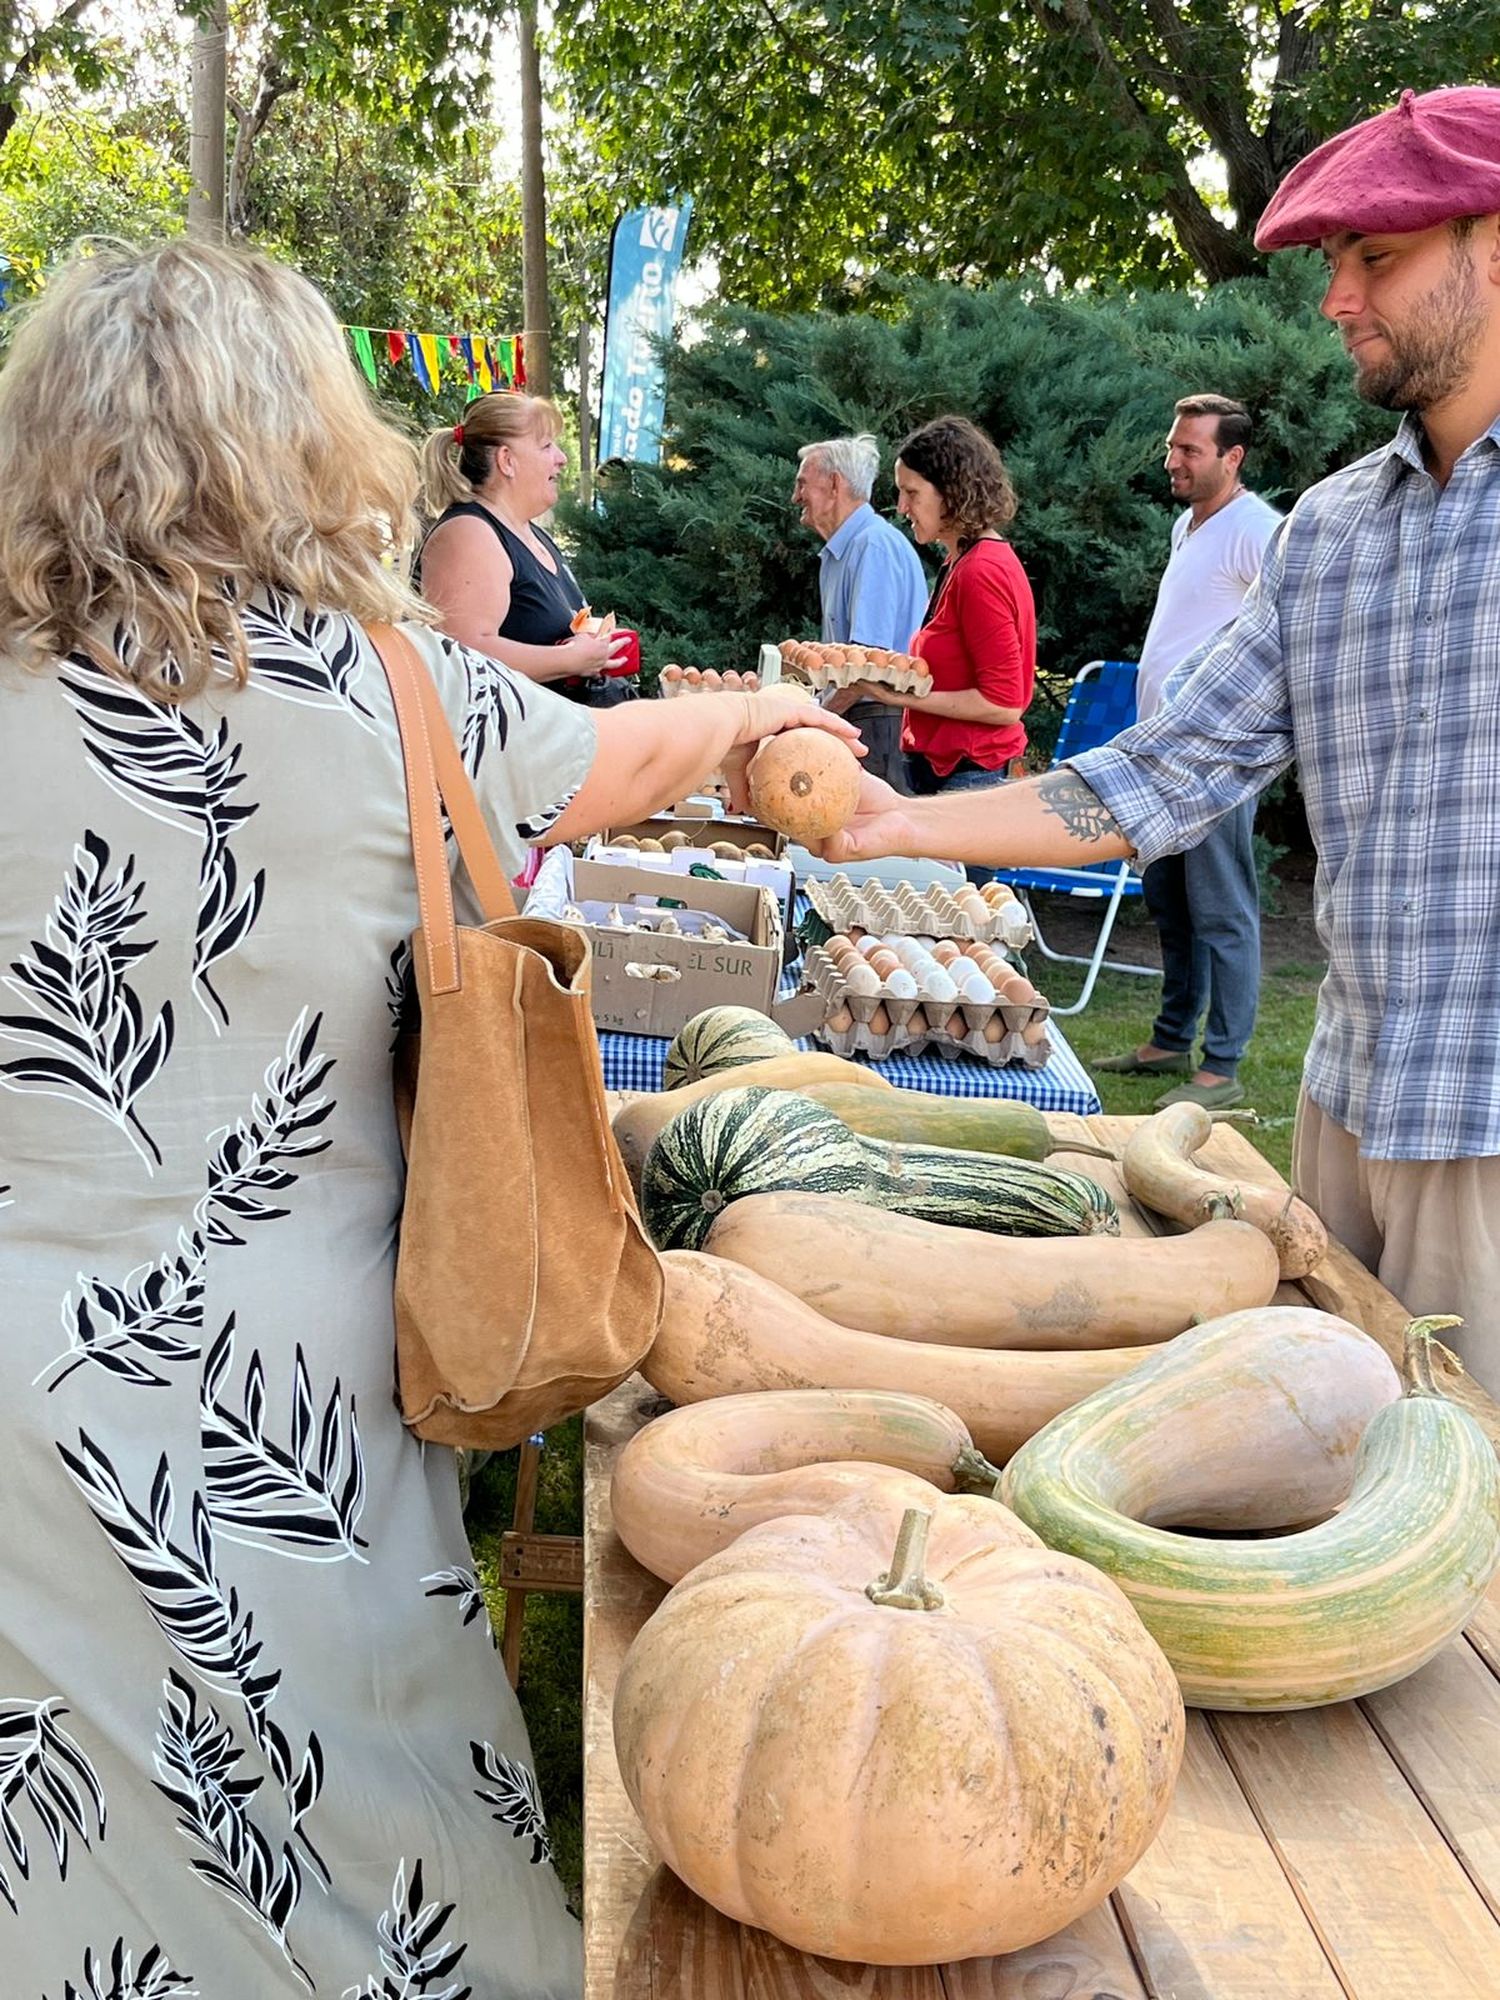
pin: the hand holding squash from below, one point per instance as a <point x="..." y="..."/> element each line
<point x="1251" y="1424"/>
<point x="693" y="1480"/>
<point x="898" y="1736"/>
<point x="804" y="783"/>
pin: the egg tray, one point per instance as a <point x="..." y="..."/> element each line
<point x="827" y="666"/>
<point x="822" y="975"/>
<point x="906" y="911"/>
<point x="673" y="681"/>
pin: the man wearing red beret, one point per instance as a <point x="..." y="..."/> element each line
<point x="1368" y="652"/>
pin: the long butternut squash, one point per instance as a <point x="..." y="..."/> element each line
<point x="1337" y="1610"/>
<point x="689" y="1483"/>
<point x="726" y="1330"/>
<point x="963" y="1124"/>
<point x="1158" y="1168"/>
<point x="914" y="1280"/>
<point x="637" y="1123"/>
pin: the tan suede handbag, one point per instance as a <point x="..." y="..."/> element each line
<point x="525" y="1284"/>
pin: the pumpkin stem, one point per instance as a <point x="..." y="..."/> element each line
<point x="1249" y="1116"/>
<point x="1225" y="1206"/>
<point x="1089" y="1152"/>
<point x="973" y="1473"/>
<point x="903" y="1586"/>
<point x="1420" y="1345"/>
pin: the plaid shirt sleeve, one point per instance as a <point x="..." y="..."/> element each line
<point x="1224" y="737"/>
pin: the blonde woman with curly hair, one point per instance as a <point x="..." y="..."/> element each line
<point x="257" y="1742"/>
<point x="499" y="581"/>
<point x="978" y="639"/>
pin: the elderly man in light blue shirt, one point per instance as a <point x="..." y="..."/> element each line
<point x="873" y="586"/>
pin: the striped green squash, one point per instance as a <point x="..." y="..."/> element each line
<point x="1249" y="1422"/>
<point x="720" y="1038"/>
<point x="756" y="1141"/>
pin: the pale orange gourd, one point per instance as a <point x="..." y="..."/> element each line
<point x="898" y="1743"/>
<point x="691" y="1481"/>
<point x="725" y="1330"/>
<point x="805" y="783"/>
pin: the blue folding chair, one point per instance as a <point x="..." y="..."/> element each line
<point x="1100" y="704"/>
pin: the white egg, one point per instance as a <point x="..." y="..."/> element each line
<point x="901" y="985"/>
<point x="870" y="943"/>
<point x="976" y="989"/>
<point x="862" y="977"/>
<point x="938" y="986"/>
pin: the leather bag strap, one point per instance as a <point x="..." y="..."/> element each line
<point x="435" y="777"/>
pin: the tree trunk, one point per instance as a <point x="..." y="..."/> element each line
<point x="205" y="215"/>
<point x="271" y="84"/>
<point x="536" y="306"/>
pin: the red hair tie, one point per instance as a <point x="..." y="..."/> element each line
<point x="458" y="433"/>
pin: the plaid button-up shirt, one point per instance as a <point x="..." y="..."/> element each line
<point x="1369" y="652"/>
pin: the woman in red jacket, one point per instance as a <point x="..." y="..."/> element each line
<point x="979" y="638"/>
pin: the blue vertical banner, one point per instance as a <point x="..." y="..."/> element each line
<point x="645" y="254"/>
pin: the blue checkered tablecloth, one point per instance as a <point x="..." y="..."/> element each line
<point x="635" y="1062"/>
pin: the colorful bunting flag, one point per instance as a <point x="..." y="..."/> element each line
<point x="364" y="354"/>
<point x="482" y="360"/>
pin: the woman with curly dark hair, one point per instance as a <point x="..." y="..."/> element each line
<point x="978" y="640"/>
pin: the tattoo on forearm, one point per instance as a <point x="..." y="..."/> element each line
<point x="1078" y="806"/>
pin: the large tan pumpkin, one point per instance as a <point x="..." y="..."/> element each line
<point x="804" y="782"/>
<point x="959" y="1763"/>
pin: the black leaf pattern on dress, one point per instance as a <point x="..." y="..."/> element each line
<point x="312" y="657"/>
<point x="516" y="1798"/>
<point x="304" y="1499"/>
<point x="199" y="1615"/>
<point x="462" y="1584"/>
<point x="413" y="1953"/>
<point x="494" y="696"/>
<point x="132" y="1329"/>
<point x="247" y="1161"/>
<point x="196" y="1759"/>
<point x="533" y="829"/>
<point x="43" y="1768"/>
<point x="155" y="756"/>
<point x="94" y="1044"/>
<point x="155" y="1316"/>
<point x="400" y="992"/>
<point x="121" y="1978"/>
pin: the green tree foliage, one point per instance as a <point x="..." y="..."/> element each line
<point x="705" y="552"/>
<point x="824" y="140"/>
<point x="67" y="174"/>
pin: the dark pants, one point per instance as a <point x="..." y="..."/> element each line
<point x="1206" y="908"/>
<point x="924" y="782"/>
<point x="880" y="731"/>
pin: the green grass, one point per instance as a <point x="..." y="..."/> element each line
<point x="1118" y="1015"/>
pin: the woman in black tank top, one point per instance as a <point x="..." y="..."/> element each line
<point x="499" y="580"/>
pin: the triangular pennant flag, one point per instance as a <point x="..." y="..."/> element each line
<point x="482" y="373"/>
<point x="364" y="354"/>
<point x="395" y="345"/>
<point x="454" y="347"/>
<point x="519" y="377"/>
<point x="424" y="361"/>
<point x="466" y="349"/>
<point x="505" y="361"/>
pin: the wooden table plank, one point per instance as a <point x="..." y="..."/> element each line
<point x="1209" y="1910"/>
<point x="1441" y="1727"/>
<point x="1090" y="1960"/>
<point x="1398" y="1911"/>
<point x="1484" y="1629"/>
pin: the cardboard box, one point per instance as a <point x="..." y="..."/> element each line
<point x="775" y="875"/>
<point x="645" y="984"/>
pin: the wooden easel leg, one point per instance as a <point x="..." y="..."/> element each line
<point x="528" y="1471"/>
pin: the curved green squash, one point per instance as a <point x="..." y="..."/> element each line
<point x="962" y="1124"/>
<point x="722" y="1038"/>
<point x="1205" y="1435"/>
<point x="756" y="1141"/>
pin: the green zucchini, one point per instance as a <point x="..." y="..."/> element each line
<point x="962" y="1124"/>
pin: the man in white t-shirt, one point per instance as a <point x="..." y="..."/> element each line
<point x="1204" y="903"/>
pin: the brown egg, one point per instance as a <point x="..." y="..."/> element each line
<point x="994" y="1029"/>
<point x="880" y="1020"/>
<point x="956" y="1026"/>
<point x="885" y="962"/>
<point x="916" y="1023"/>
<point x="1034" y="1032"/>
<point x="1018" y="992"/>
<point x="945" y="951"/>
<point x="840" y="1021"/>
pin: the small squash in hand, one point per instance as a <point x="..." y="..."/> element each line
<point x="805" y="783"/>
<point x="898" y="1736"/>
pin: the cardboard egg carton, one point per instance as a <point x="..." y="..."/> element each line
<point x="674" y="680"/>
<point x="934" y="912"/>
<point x="880" y="1024"/>
<point x="824" y="665"/>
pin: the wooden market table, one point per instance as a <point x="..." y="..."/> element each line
<point x="1343" y="1853"/>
